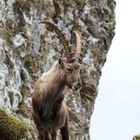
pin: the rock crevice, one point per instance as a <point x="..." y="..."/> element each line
<point x="27" y="49"/>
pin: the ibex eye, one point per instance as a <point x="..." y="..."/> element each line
<point x="69" y="70"/>
<point x="72" y="60"/>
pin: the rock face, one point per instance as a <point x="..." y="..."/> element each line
<point x="27" y="50"/>
<point x="137" y="137"/>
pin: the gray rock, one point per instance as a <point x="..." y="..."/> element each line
<point x="27" y="50"/>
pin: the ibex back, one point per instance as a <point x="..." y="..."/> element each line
<point x="49" y="109"/>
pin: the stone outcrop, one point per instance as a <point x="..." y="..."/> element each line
<point x="137" y="137"/>
<point x="27" y="50"/>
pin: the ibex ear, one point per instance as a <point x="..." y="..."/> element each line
<point x="60" y="61"/>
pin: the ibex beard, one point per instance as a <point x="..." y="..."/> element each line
<point x="49" y="108"/>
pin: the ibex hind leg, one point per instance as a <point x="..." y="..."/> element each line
<point x="47" y="136"/>
<point x="40" y="129"/>
<point x="64" y="131"/>
<point x="41" y="134"/>
<point x="54" y="134"/>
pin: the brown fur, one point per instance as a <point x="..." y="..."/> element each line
<point x="49" y="109"/>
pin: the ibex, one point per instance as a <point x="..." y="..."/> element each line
<point x="49" y="109"/>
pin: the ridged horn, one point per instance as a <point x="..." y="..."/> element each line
<point x="78" y="53"/>
<point x="61" y="36"/>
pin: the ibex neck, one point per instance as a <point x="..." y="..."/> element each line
<point x="56" y="89"/>
<point x="57" y="79"/>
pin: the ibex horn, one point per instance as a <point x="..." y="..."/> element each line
<point x="61" y="36"/>
<point x="78" y="45"/>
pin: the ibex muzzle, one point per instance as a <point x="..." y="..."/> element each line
<point x="49" y="109"/>
<point x="73" y="79"/>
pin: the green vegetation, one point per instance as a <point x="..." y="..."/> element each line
<point x="11" y="127"/>
<point x="80" y="2"/>
<point x="11" y="97"/>
<point x="25" y="91"/>
<point x="28" y="63"/>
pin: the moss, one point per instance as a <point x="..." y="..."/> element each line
<point x="11" y="127"/>
<point x="24" y="110"/>
<point x="11" y="97"/>
<point x="80" y="2"/>
<point x="25" y="91"/>
<point x="0" y="77"/>
<point x="28" y="63"/>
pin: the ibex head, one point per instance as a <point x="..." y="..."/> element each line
<point x="71" y="63"/>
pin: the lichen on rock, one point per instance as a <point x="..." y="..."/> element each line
<point x="11" y="127"/>
<point x="27" y="49"/>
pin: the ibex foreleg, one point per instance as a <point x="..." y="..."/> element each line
<point x="64" y="131"/>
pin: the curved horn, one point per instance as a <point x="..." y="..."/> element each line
<point x="78" y="45"/>
<point x="61" y="36"/>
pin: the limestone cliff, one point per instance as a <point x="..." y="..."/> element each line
<point x="137" y="137"/>
<point x="27" y="50"/>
